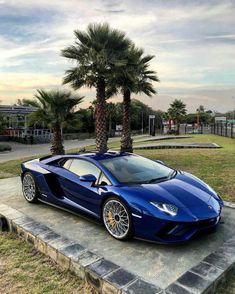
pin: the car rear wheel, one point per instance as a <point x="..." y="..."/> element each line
<point x="117" y="219"/>
<point x="30" y="190"/>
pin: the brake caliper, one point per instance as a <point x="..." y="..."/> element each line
<point x="111" y="219"/>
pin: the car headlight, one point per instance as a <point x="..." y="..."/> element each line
<point x="166" y="207"/>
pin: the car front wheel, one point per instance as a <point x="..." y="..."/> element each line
<point x="30" y="190"/>
<point x="117" y="219"/>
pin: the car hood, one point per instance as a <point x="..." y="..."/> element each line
<point x="184" y="190"/>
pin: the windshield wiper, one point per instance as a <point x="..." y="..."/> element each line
<point x="170" y="176"/>
<point x="156" y="179"/>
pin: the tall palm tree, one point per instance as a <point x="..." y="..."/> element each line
<point x="55" y="108"/>
<point x="177" y="112"/>
<point x="97" y="52"/>
<point x="200" y="110"/>
<point x="134" y="77"/>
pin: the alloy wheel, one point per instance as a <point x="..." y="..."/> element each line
<point x="116" y="219"/>
<point x="29" y="187"/>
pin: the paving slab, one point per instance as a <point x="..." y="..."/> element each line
<point x="161" y="137"/>
<point x="158" y="264"/>
<point x="176" y="145"/>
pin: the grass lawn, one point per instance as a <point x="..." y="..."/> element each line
<point x="215" y="166"/>
<point x="24" y="270"/>
<point x="229" y="287"/>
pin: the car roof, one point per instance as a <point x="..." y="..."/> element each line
<point x="96" y="156"/>
<point x="101" y="156"/>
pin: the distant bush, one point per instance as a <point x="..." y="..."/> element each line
<point x="5" y="147"/>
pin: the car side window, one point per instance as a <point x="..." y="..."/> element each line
<point x="82" y="167"/>
<point x="67" y="163"/>
<point x="103" y="180"/>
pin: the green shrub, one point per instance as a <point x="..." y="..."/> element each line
<point x="5" y="147"/>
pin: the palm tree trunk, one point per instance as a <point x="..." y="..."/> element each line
<point x="177" y="127"/>
<point x="57" y="146"/>
<point x="110" y="125"/>
<point x="100" y="117"/>
<point x="126" y="141"/>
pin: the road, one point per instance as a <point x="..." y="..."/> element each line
<point x="22" y="150"/>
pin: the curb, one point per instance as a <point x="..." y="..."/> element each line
<point x="229" y="204"/>
<point x="162" y="146"/>
<point x="106" y="276"/>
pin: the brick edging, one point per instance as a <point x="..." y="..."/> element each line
<point x="208" y="273"/>
<point x="229" y="204"/>
<point x="104" y="275"/>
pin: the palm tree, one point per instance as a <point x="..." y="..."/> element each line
<point x="134" y="77"/>
<point x="110" y="110"/>
<point x="98" y="53"/>
<point x="177" y="112"/>
<point x="200" y="109"/>
<point x="55" y="108"/>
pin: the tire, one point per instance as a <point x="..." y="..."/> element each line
<point x="29" y="188"/>
<point x="117" y="219"/>
<point x="3" y="225"/>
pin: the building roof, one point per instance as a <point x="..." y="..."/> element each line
<point x="15" y="109"/>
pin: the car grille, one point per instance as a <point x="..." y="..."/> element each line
<point x="179" y="229"/>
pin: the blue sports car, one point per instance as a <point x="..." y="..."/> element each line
<point x="131" y="195"/>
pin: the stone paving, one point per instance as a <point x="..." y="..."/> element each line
<point x="158" y="264"/>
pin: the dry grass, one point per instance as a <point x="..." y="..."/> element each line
<point x="23" y="270"/>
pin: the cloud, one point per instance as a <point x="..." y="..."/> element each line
<point x="193" y="41"/>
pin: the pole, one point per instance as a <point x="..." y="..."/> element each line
<point x="149" y="126"/>
<point x="233" y="97"/>
<point x="142" y="123"/>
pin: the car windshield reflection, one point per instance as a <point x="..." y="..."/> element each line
<point x="134" y="169"/>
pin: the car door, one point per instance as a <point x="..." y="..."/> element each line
<point x="81" y="193"/>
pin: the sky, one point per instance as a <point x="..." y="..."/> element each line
<point x="193" y="42"/>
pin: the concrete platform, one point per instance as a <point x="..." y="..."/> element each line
<point x="158" y="264"/>
<point x="175" y="145"/>
<point x="162" y="137"/>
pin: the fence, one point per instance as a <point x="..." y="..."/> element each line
<point x="223" y="129"/>
<point x="184" y="129"/>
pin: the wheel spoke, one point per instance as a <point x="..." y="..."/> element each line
<point x="116" y="218"/>
<point x="29" y="188"/>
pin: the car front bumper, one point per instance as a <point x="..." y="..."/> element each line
<point x="165" y="231"/>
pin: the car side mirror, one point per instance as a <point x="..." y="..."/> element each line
<point x="88" y="178"/>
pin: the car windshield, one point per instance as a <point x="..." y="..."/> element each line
<point x="137" y="169"/>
